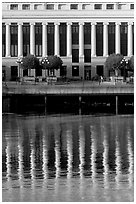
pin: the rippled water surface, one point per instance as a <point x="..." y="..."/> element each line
<point x="67" y="158"/>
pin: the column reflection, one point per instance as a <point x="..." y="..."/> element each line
<point x="94" y="152"/>
<point x="130" y="158"/>
<point x="105" y="158"/>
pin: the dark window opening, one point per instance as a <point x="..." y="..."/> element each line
<point x="75" y="33"/>
<point x="111" y="38"/>
<point x="3" y="40"/>
<point x="50" y="39"/>
<point x="99" y="70"/>
<point x="87" y="33"/>
<point x="75" y="55"/>
<point x="123" y="38"/>
<point x="26" y="39"/>
<point x="99" y="39"/>
<point x="63" y="39"/>
<point x="14" y="73"/>
<point x="63" y="71"/>
<point x="87" y="55"/>
<point x="14" y="39"/>
<point x="75" y="71"/>
<point x="38" y="39"/>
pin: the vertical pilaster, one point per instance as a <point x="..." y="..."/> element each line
<point x="20" y="40"/>
<point x="69" y="40"/>
<point x="93" y="39"/>
<point x="130" y="40"/>
<point x="117" y="38"/>
<point x="44" y="40"/>
<point x="56" y="39"/>
<point x="32" y="39"/>
<point x="105" y="39"/>
<point x="81" y="39"/>
<point x="7" y="39"/>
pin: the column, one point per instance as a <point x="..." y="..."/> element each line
<point x="44" y="40"/>
<point x="32" y="39"/>
<point x="117" y="38"/>
<point x="56" y="39"/>
<point x="81" y="39"/>
<point x="69" y="40"/>
<point x="130" y="47"/>
<point x="93" y="39"/>
<point x="7" y="40"/>
<point x="105" y="39"/>
<point x="20" y="40"/>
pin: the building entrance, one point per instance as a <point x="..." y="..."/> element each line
<point x="87" y="72"/>
<point x="14" y="73"/>
<point x="99" y="70"/>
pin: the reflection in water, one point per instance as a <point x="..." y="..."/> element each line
<point x="67" y="158"/>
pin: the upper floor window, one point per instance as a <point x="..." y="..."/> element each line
<point x="131" y="6"/>
<point x="13" y="6"/>
<point x="37" y="6"/>
<point x="61" y="6"/>
<point x="98" y="6"/>
<point x="50" y="7"/>
<point x="86" y="6"/>
<point x="110" y="6"/>
<point x="74" y="6"/>
<point x="122" y="6"/>
<point x="26" y="6"/>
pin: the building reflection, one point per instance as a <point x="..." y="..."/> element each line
<point x="69" y="149"/>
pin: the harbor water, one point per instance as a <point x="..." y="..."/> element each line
<point x="67" y="157"/>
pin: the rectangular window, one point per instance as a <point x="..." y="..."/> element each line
<point x="38" y="7"/>
<point x="14" y="39"/>
<point x="98" y="6"/>
<point x="111" y="38"/>
<point x="131" y="6"/>
<point x="74" y="6"/>
<point x="87" y="55"/>
<point x="86" y="6"/>
<point x="87" y="33"/>
<point x="63" y="39"/>
<point x="110" y="6"/>
<point x="3" y="40"/>
<point x="50" y="6"/>
<point x="75" y="55"/>
<point x="62" y="6"/>
<point x="75" y="33"/>
<point x="38" y="39"/>
<point x="14" y="7"/>
<point x="26" y="7"/>
<point x="50" y="39"/>
<point x="99" y="39"/>
<point x="123" y="38"/>
<point x="26" y="39"/>
<point x="75" y="71"/>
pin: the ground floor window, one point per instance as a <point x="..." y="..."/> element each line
<point x="99" y="70"/>
<point x="75" y="71"/>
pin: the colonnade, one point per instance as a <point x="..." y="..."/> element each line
<point x="69" y="39"/>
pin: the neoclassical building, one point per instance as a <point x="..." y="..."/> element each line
<point x="83" y="34"/>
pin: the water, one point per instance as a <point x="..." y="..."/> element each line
<point x="67" y="158"/>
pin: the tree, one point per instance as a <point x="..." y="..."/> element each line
<point x="113" y="62"/>
<point x="131" y="63"/>
<point x="52" y="62"/>
<point x="30" y="62"/>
